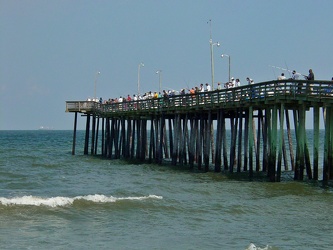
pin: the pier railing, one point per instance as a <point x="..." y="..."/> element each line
<point x="256" y="94"/>
<point x="81" y="106"/>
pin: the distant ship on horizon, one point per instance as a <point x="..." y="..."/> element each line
<point x="45" y="128"/>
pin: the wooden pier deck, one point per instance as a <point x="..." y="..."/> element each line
<point x="191" y="129"/>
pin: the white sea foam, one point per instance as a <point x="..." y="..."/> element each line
<point x="64" y="201"/>
<point x="254" y="247"/>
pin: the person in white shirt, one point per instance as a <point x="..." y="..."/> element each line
<point x="249" y="80"/>
<point x="208" y="87"/>
<point x="233" y="82"/>
<point x="201" y="88"/>
<point x="252" y="92"/>
<point x="238" y="83"/>
<point x="120" y="100"/>
<point x="281" y="77"/>
<point x="294" y="75"/>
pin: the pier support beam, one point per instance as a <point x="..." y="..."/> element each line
<point x="93" y="129"/>
<point x="315" y="141"/>
<point x="299" y="118"/>
<point x="96" y="137"/>
<point x="258" y="141"/>
<point x="218" y="143"/>
<point x="250" y="129"/>
<point x="86" y="140"/>
<point x="240" y="137"/>
<point x="273" y="146"/>
<point x="74" y="134"/>
<point x="191" y="151"/>
<point x="328" y="160"/>
<point x="281" y="143"/>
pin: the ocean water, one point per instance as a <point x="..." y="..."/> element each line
<point x="50" y="199"/>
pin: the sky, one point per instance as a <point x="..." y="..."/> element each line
<point x="51" y="51"/>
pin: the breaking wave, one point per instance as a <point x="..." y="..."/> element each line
<point x="65" y="201"/>
<point x="254" y="247"/>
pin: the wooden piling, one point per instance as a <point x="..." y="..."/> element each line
<point x="218" y="143"/>
<point x="326" y="146"/>
<point x="93" y="131"/>
<point x="96" y="135"/>
<point x="240" y="137"/>
<point x="251" y="139"/>
<point x="315" y="141"/>
<point x="281" y="143"/>
<point x="224" y="142"/>
<point x="273" y="146"/>
<point x="291" y="150"/>
<point x="86" y="140"/>
<point x="246" y="140"/>
<point x="74" y="133"/>
<point x="258" y="141"/>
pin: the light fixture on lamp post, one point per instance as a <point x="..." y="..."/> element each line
<point x="224" y="55"/>
<point x="159" y="72"/>
<point x="140" y="64"/>
<point x="96" y="76"/>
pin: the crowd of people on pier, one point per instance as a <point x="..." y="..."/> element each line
<point x="295" y="76"/>
<point x="200" y="89"/>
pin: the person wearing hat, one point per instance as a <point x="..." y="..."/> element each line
<point x="233" y="82"/>
<point x="294" y="75"/>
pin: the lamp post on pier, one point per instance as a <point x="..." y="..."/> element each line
<point x="159" y="72"/>
<point x="96" y="76"/>
<point x="139" y="67"/>
<point x="212" y="52"/>
<point x="212" y="58"/>
<point x="224" y="55"/>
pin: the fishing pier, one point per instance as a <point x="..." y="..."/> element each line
<point x="267" y="134"/>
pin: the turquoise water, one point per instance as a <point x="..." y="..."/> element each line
<point x="50" y="199"/>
